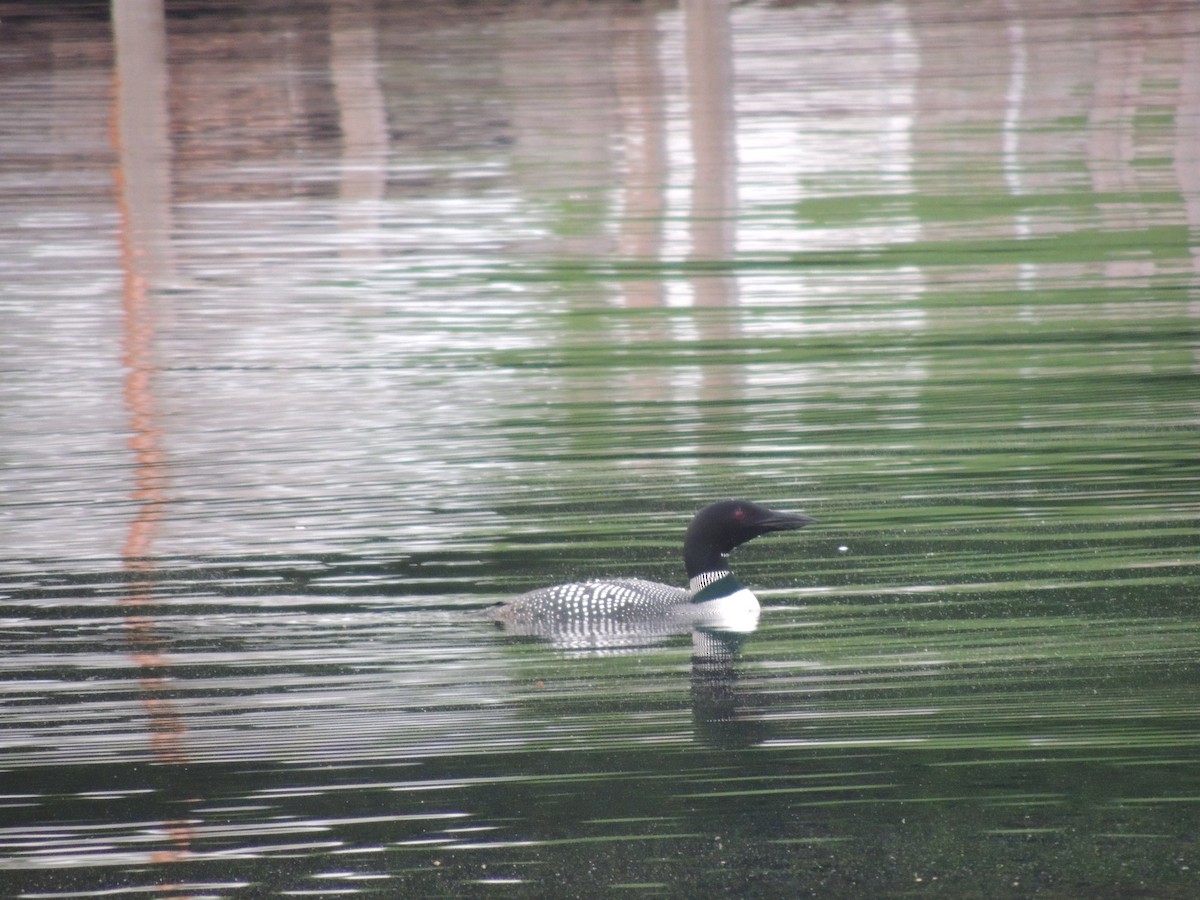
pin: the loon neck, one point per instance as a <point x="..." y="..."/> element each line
<point x="701" y="558"/>
<point x="714" y="585"/>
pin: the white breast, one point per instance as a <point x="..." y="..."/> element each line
<point x="736" y="612"/>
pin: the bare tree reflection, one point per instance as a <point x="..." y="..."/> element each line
<point x="641" y="90"/>
<point x="362" y="117"/>
<point x="709" y="57"/>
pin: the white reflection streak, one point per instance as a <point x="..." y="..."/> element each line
<point x="845" y="744"/>
<point x="1010" y="130"/>
<point x="1013" y="98"/>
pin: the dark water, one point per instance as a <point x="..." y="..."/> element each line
<point x="324" y="327"/>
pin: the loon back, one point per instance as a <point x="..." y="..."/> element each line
<point x="714" y="597"/>
<point x="623" y="600"/>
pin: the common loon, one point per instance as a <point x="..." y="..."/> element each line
<point x="714" y="598"/>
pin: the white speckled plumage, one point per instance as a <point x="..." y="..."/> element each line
<point x="618" y="600"/>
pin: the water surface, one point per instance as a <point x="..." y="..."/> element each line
<point x="325" y="326"/>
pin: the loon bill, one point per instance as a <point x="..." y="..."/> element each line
<point x="713" y="599"/>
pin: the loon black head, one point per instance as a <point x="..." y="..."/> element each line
<point x="718" y="528"/>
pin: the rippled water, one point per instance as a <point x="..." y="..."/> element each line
<point x="325" y="327"/>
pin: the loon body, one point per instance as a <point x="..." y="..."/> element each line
<point x="714" y="598"/>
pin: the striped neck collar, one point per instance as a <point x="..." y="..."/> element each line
<point x="711" y="585"/>
<point x="704" y="579"/>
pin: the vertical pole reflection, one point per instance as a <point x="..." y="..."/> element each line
<point x="708" y="54"/>
<point x="1187" y="137"/>
<point x="641" y="94"/>
<point x="1117" y="95"/>
<point x="362" y="117"/>
<point x="140" y="137"/>
<point x="140" y="133"/>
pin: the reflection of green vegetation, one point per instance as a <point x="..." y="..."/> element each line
<point x="932" y="210"/>
<point x="573" y="214"/>
<point x="855" y="209"/>
<point x="1087" y="246"/>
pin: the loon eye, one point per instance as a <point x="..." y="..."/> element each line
<point x="739" y="514"/>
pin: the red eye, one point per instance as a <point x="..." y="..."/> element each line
<point x="739" y="514"/>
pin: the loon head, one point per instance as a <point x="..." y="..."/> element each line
<point x="718" y="528"/>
